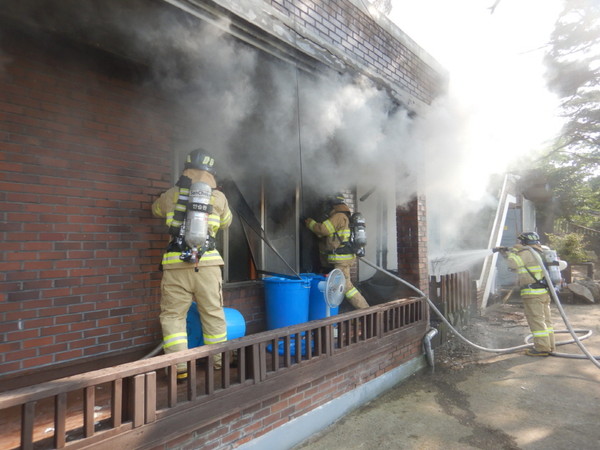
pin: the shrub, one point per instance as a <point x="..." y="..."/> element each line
<point x="570" y="247"/>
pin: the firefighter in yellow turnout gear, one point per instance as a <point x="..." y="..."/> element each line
<point x="334" y="236"/>
<point x="534" y="292"/>
<point x="185" y="280"/>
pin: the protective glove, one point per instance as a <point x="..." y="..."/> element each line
<point x="502" y="250"/>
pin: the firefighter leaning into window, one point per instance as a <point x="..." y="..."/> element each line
<point x="534" y="291"/>
<point x="334" y="236"/>
<point x="187" y="275"/>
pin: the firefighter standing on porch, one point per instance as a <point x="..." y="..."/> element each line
<point x="334" y="237"/>
<point x="534" y="291"/>
<point x="192" y="273"/>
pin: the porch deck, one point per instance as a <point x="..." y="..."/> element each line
<point x="141" y="401"/>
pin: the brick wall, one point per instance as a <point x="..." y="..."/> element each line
<point x="82" y="155"/>
<point x="85" y="149"/>
<point x="248" y="299"/>
<point x="412" y="243"/>
<point x="342" y="24"/>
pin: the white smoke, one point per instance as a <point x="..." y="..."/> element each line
<point x="260" y="116"/>
<point x="498" y="109"/>
<point x="267" y="118"/>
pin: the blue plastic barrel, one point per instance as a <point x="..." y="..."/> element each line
<point x="286" y="301"/>
<point x="317" y="307"/>
<point x="236" y="325"/>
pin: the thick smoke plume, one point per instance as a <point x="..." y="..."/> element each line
<point x="263" y="117"/>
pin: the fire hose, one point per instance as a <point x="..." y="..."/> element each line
<point x="570" y="329"/>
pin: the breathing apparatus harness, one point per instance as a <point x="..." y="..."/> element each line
<point x="358" y="236"/>
<point x="189" y="228"/>
<point x="550" y="262"/>
<point x="537" y="284"/>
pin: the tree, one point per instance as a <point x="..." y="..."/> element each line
<point x="573" y="72"/>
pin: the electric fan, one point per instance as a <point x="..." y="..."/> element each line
<point x="333" y="289"/>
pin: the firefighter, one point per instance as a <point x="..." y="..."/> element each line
<point x="192" y="273"/>
<point x="534" y="291"/>
<point x="334" y="248"/>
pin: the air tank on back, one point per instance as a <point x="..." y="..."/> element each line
<point x="196" y="224"/>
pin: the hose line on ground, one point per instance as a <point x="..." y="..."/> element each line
<point x="592" y="358"/>
<point x="496" y="350"/>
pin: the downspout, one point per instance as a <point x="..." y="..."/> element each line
<point x="427" y="346"/>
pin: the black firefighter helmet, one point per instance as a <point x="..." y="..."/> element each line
<point x="337" y="199"/>
<point x="529" y="238"/>
<point x="201" y="160"/>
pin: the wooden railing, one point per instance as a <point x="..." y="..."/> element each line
<point x="569" y="227"/>
<point x="453" y="295"/>
<point x="113" y="407"/>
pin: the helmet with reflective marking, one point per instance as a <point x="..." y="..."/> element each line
<point x="200" y="159"/>
<point x="337" y="199"/>
<point x="530" y="237"/>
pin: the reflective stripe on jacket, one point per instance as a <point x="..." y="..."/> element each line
<point x="528" y="270"/>
<point x="219" y="218"/>
<point x="335" y="231"/>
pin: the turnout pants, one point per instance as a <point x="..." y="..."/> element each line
<point x="352" y="294"/>
<point x="178" y="288"/>
<point x="537" y="312"/>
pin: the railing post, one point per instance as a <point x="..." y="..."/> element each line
<point x="89" y="401"/>
<point x="242" y="364"/>
<point x="116" y="402"/>
<point x="60" y="420"/>
<point x="255" y="362"/>
<point x="150" y="397"/>
<point x="27" y="419"/>
<point x="192" y="377"/>
<point x="138" y="400"/>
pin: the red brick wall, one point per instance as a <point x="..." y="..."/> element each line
<point x="248" y="299"/>
<point x="342" y="25"/>
<point x="85" y="149"/>
<point x="82" y="155"/>
<point x="412" y="243"/>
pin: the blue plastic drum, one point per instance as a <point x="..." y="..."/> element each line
<point x="286" y="301"/>
<point x="236" y="325"/>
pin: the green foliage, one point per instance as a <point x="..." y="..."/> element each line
<point x="573" y="72"/>
<point x="576" y="198"/>
<point x="572" y="167"/>
<point x="570" y="247"/>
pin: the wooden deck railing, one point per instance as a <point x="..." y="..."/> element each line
<point x="112" y="407"/>
<point x="569" y="227"/>
<point x="452" y="294"/>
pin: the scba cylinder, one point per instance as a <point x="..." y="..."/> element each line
<point x="552" y="264"/>
<point x="359" y="232"/>
<point x="196" y="224"/>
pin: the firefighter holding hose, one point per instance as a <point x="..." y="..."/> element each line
<point x="334" y="244"/>
<point x="194" y="211"/>
<point x="534" y="291"/>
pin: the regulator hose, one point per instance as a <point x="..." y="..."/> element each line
<point x="496" y="350"/>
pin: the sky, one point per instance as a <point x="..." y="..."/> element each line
<point x="496" y="74"/>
